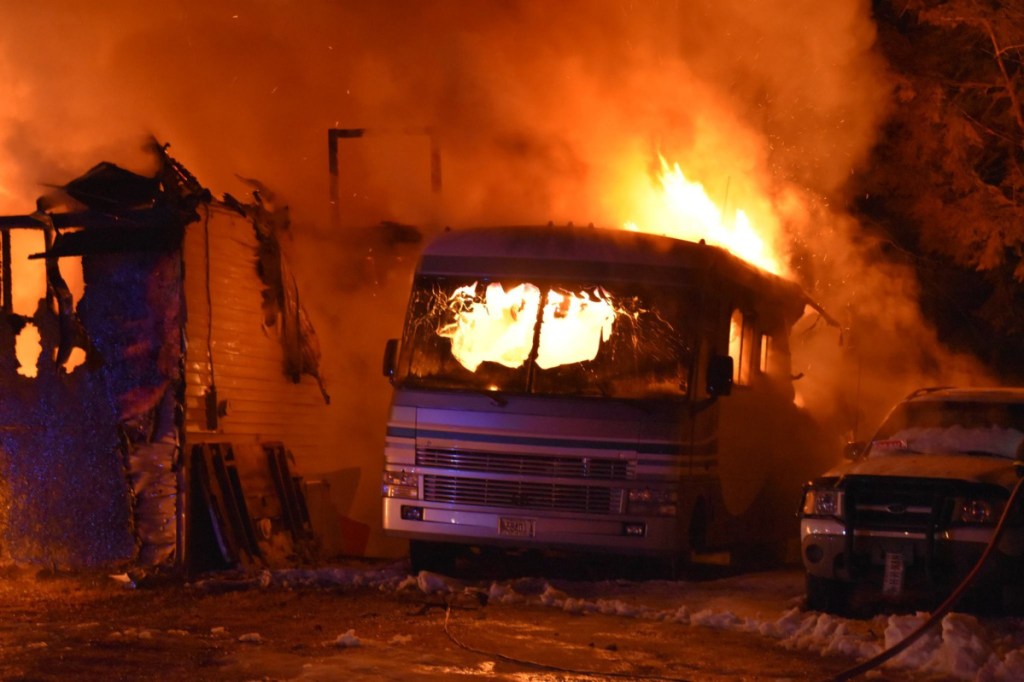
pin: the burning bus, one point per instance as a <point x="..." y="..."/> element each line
<point x="592" y="390"/>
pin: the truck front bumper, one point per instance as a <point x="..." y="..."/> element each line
<point x="830" y="551"/>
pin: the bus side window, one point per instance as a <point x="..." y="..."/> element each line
<point x="741" y="347"/>
<point x="766" y="353"/>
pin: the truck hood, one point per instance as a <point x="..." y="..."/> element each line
<point x="972" y="468"/>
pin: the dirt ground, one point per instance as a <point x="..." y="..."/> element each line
<point x="82" y="626"/>
<point x="94" y="627"/>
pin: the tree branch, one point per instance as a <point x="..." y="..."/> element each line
<point x="1006" y="77"/>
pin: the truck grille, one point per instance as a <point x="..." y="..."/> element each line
<point x="527" y="465"/>
<point x="503" y="493"/>
<point x="900" y="504"/>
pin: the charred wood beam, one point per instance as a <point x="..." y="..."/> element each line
<point x="7" y="290"/>
<point x="150" y="229"/>
<point x="333" y="135"/>
<point x="89" y="219"/>
<point x="336" y="134"/>
<point x="72" y="332"/>
<point x="115" y="239"/>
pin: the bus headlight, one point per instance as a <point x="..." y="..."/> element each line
<point x="652" y="501"/>
<point x="401" y="484"/>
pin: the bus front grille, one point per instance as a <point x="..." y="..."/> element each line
<point x="601" y="468"/>
<point x="502" y="493"/>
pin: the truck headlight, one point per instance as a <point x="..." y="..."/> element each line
<point x="401" y="484"/>
<point x="822" y="502"/>
<point x="652" y="501"/>
<point x="980" y="511"/>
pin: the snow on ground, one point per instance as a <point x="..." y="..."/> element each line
<point x="961" y="647"/>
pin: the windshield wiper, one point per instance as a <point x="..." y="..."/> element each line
<point x="495" y="397"/>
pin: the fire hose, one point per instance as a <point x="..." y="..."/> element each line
<point x="940" y="612"/>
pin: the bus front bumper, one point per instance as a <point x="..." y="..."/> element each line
<point x="417" y="520"/>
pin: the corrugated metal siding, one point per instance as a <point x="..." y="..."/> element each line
<point x="263" y="404"/>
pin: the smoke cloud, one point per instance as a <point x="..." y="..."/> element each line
<point x="542" y="112"/>
<point x="541" y="109"/>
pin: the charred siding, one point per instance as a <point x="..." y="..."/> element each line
<point x="225" y="325"/>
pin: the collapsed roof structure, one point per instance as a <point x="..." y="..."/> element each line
<point x="201" y="370"/>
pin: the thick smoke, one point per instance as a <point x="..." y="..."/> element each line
<point x="542" y="108"/>
<point x="542" y="111"/>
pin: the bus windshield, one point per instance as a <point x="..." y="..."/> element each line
<point x="547" y="337"/>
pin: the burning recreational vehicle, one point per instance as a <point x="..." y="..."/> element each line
<point x="200" y="376"/>
<point x="593" y="389"/>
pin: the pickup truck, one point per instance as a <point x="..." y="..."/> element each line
<point x="904" y="519"/>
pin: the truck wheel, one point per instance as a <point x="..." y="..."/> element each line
<point x="826" y="595"/>
<point x="985" y="600"/>
<point x="436" y="557"/>
<point x="1013" y="600"/>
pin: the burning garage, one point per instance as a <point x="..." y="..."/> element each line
<point x="151" y="422"/>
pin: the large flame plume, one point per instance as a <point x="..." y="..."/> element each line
<point x="684" y="210"/>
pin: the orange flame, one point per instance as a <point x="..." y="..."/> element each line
<point x="684" y="210"/>
<point x="499" y="326"/>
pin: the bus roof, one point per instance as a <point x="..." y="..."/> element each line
<point x="595" y="254"/>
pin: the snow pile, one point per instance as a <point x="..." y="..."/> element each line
<point x="504" y="594"/>
<point x="386" y="578"/>
<point x="427" y="582"/>
<point x="136" y="633"/>
<point x="721" y="620"/>
<point x="347" y="639"/>
<point x="962" y="647"/>
<point x="822" y="633"/>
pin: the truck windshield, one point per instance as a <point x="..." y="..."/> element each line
<point x="547" y="337"/>
<point x="952" y="427"/>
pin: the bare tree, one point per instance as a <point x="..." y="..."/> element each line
<point x="947" y="178"/>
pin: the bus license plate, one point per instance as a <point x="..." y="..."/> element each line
<point x="516" y="528"/>
<point x="892" y="583"/>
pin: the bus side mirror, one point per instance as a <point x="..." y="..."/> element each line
<point x="720" y="375"/>
<point x="390" y="358"/>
